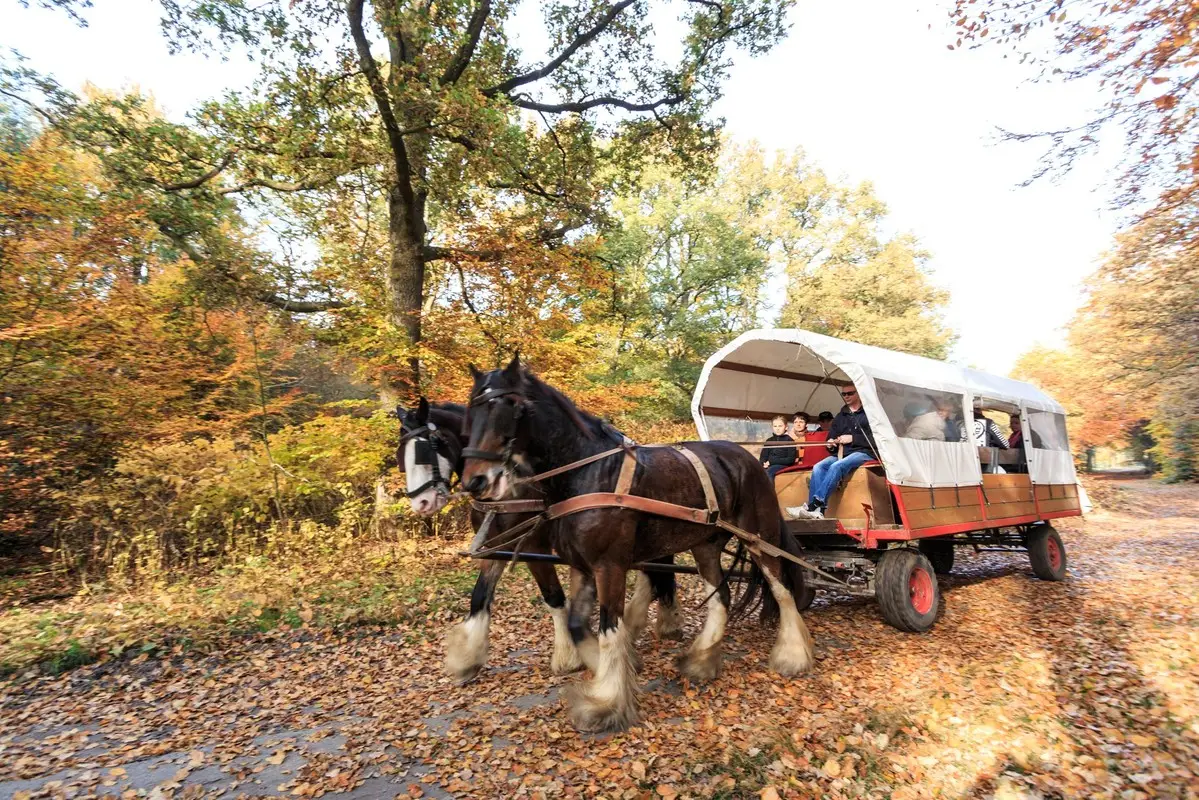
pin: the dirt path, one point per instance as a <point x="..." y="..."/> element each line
<point x="1024" y="688"/>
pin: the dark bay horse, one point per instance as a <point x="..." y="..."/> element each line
<point x="519" y="424"/>
<point x="430" y="454"/>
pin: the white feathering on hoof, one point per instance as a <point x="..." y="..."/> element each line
<point x="792" y="653"/>
<point x="466" y="647"/>
<point x="636" y="613"/>
<point x="609" y="701"/>
<point x="566" y="657"/>
<point x="702" y="661"/>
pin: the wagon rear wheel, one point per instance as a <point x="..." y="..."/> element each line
<point x="906" y="587"/>
<point x="1047" y="553"/>
<point x="939" y="553"/>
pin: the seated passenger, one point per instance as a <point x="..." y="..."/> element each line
<point x="775" y="459"/>
<point x="850" y="430"/>
<point x="923" y="422"/>
<point x="984" y="432"/>
<point x="948" y="411"/>
<point x="800" y="422"/>
<point x="826" y="420"/>
<point x="1016" y="440"/>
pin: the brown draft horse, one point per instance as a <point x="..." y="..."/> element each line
<point x="430" y="454"/>
<point x="517" y="423"/>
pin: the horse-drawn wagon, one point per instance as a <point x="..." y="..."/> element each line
<point x="896" y="521"/>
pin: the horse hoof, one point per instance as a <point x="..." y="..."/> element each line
<point x="463" y="675"/>
<point x="597" y="715"/>
<point x="673" y="634"/>
<point x="790" y="661"/>
<point x="701" y="666"/>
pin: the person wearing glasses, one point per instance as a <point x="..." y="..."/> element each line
<point x="850" y="432"/>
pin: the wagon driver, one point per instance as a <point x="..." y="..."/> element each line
<point x="851" y="431"/>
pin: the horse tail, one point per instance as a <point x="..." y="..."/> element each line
<point x="753" y="589"/>
<point x="792" y="575"/>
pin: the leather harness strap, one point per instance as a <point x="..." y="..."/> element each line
<point x="624" y="482"/>
<point x="705" y="480"/>
<point x="508" y="506"/>
<point x="648" y="505"/>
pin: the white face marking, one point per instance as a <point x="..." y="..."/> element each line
<point x="431" y="500"/>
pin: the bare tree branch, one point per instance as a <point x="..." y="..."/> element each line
<point x="370" y="68"/>
<point x="197" y="182"/>
<point x="279" y="186"/>
<point x="580" y="40"/>
<point x="462" y="58"/>
<point x="299" y="306"/>
<point x="584" y="105"/>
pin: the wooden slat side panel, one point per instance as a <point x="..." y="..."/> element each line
<point x="944" y="516"/>
<point x="1006" y="480"/>
<point x="1005" y="510"/>
<point x="1010" y="494"/>
<point x="916" y="499"/>
<point x="1047" y="491"/>
<point x="1060" y="504"/>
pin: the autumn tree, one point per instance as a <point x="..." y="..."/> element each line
<point x="102" y="344"/>
<point x="690" y="263"/>
<point x="430" y="107"/>
<point x="1144" y="55"/>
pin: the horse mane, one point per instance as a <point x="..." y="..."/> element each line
<point x="447" y="415"/>
<point x="576" y="415"/>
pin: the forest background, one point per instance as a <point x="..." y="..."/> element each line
<point x="203" y="326"/>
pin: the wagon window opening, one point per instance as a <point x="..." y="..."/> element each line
<point x="917" y="413"/>
<point x="1048" y="430"/>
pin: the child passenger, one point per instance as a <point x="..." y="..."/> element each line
<point x="775" y="459"/>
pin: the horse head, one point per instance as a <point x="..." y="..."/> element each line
<point x="496" y="426"/>
<point x="513" y="421"/>
<point x="429" y="453"/>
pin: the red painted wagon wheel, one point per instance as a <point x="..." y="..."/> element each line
<point x="1046" y="553"/>
<point x="920" y="587"/>
<point x="906" y="588"/>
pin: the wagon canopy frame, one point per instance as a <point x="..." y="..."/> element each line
<point x="773" y="371"/>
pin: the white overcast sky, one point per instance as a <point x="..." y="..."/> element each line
<point x="864" y="86"/>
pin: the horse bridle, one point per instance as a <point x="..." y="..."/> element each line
<point x="429" y="443"/>
<point x="503" y="426"/>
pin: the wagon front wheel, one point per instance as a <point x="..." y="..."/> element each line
<point x="906" y="587"/>
<point x="1047" y="553"/>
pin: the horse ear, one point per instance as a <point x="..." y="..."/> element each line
<point x="474" y="373"/>
<point x="514" y="372"/>
<point x="422" y="411"/>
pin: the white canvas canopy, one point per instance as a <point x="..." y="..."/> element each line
<point x="763" y="373"/>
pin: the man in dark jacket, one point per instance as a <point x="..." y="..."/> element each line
<point x="851" y="432"/>
<point x="778" y="458"/>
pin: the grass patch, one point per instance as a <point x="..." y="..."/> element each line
<point x="369" y="585"/>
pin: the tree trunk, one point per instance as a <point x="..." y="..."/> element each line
<point x="405" y="282"/>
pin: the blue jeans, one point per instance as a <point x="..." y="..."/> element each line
<point x="828" y="474"/>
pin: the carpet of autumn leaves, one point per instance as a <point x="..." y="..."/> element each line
<point x="1023" y="689"/>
